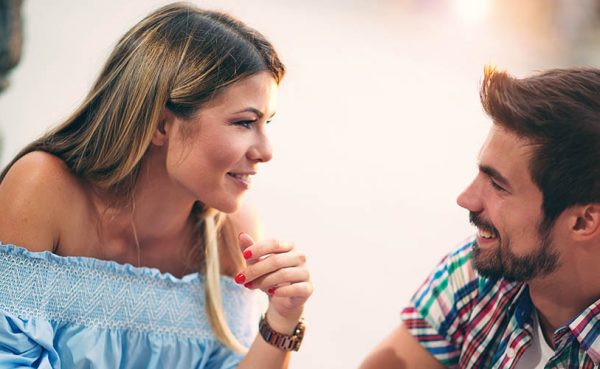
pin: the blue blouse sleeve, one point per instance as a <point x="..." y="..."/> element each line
<point x="27" y="343"/>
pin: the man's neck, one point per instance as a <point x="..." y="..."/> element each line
<point x="563" y="295"/>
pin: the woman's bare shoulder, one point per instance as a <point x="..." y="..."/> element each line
<point x="37" y="193"/>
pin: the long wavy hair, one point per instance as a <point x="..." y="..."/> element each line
<point x="178" y="57"/>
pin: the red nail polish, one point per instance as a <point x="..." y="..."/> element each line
<point x="248" y="285"/>
<point x="247" y="254"/>
<point x="240" y="278"/>
<point x="271" y="291"/>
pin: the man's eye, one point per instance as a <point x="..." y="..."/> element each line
<point x="497" y="186"/>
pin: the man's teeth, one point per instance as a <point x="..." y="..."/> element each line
<point x="485" y="234"/>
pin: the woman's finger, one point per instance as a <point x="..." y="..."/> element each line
<point x="280" y="277"/>
<point x="270" y="264"/>
<point x="261" y="249"/>
<point x="299" y="291"/>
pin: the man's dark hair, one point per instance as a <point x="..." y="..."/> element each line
<point x="558" y="112"/>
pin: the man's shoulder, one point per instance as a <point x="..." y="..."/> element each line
<point x="455" y="303"/>
<point x="456" y="267"/>
<point x="460" y="256"/>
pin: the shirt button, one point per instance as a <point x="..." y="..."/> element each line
<point x="510" y="353"/>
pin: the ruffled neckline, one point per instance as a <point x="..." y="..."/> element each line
<point x="110" y="266"/>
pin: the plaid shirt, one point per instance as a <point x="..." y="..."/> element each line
<point x="468" y="321"/>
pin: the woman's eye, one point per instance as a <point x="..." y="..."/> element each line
<point x="245" y="123"/>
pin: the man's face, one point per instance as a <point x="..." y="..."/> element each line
<point x="506" y="207"/>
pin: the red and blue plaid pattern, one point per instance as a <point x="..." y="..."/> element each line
<point x="467" y="321"/>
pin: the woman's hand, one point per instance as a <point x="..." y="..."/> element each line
<point x="279" y="269"/>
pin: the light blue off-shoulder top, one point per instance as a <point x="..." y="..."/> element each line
<point x="76" y="312"/>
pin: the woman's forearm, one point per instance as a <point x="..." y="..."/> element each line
<point x="263" y="355"/>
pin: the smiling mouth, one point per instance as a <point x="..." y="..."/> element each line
<point x="487" y="234"/>
<point x="244" y="179"/>
<point x="485" y="230"/>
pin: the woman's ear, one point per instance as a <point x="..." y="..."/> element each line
<point x="161" y="134"/>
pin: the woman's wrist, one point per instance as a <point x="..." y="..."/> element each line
<point x="284" y="341"/>
<point x="283" y="324"/>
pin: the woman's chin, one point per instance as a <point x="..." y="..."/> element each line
<point x="227" y="207"/>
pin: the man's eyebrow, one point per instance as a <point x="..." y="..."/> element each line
<point x="493" y="173"/>
<point x="258" y="113"/>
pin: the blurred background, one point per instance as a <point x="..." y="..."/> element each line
<point x="377" y="130"/>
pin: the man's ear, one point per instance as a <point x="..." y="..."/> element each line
<point x="165" y="124"/>
<point x="585" y="221"/>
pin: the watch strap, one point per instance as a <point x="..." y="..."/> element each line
<point x="282" y="341"/>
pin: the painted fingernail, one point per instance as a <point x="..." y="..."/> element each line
<point x="248" y="285"/>
<point x="271" y="290"/>
<point x="247" y="254"/>
<point x="240" y="278"/>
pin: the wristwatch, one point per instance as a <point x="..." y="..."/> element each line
<point x="282" y="341"/>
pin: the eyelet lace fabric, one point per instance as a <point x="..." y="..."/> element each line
<point x="78" y="293"/>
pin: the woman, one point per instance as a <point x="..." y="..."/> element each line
<point x="121" y="228"/>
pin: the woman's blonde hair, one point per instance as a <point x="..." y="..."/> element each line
<point x="178" y="57"/>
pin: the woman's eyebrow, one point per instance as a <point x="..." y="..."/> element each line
<point x="258" y="113"/>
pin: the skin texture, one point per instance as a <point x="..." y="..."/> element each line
<point x="48" y="208"/>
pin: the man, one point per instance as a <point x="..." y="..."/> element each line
<point x="525" y="291"/>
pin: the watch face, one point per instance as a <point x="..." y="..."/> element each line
<point x="300" y="328"/>
<point x="298" y="335"/>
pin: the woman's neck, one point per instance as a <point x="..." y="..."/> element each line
<point x="153" y="228"/>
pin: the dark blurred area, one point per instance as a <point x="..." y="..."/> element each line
<point x="11" y="37"/>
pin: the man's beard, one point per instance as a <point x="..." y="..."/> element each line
<point x="501" y="262"/>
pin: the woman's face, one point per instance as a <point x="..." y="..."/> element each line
<point x="212" y="156"/>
